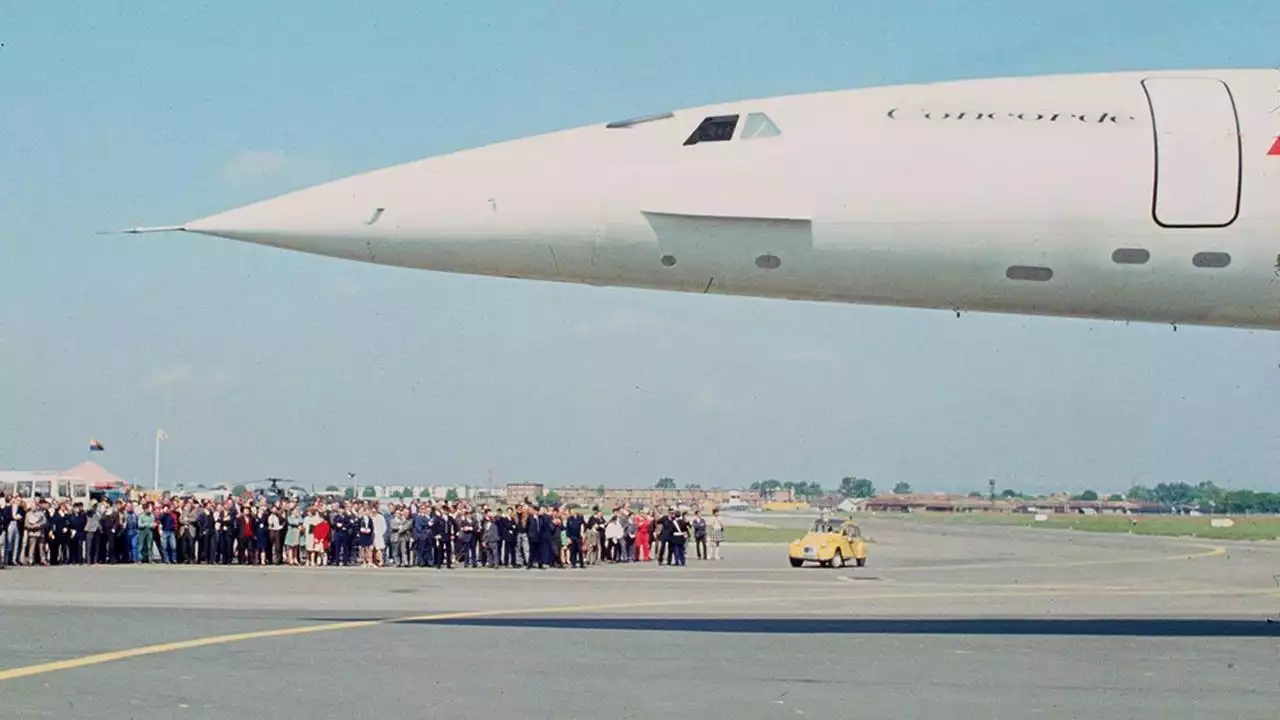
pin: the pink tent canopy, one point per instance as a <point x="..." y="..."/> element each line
<point x="94" y="474"/>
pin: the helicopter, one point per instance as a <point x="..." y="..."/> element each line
<point x="273" y="490"/>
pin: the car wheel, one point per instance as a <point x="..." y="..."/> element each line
<point x="837" y="560"/>
<point x="861" y="562"/>
<point x="796" y="562"/>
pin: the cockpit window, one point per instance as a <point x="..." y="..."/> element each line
<point x="759" y="125"/>
<point x="718" y="128"/>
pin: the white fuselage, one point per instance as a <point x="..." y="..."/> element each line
<point x="1134" y="196"/>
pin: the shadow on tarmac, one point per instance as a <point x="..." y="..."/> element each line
<point x="1102" y="627"/>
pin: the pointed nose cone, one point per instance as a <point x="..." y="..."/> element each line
<point x="326" y="219"/>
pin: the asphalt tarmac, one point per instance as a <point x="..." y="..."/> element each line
<point x="944" y="621"/>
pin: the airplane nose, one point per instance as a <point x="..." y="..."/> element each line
<point x="326" y="219"/>
<point x="526" y="208"/>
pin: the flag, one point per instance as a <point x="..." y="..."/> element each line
<point x="162" y="435"/>
<point x="95" y="445"/>
<point x="1275" y="148"/>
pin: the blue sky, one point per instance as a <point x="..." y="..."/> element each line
<point x="260" y="362"/>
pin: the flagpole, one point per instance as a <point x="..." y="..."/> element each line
<point x="155" y="482"/>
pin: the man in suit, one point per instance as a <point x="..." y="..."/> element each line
<point x="573" y="530"/>
<point x="423" y="539"/>
<point x="341" y="527"/>
<point x="441" y="526"/>
<point x="59" y="533"/>
<point x="92" y="531"/>
<point x="491" y="537"/>
<point x="78" y="522"/>
<point x="533" y="529"/>
<point x="550" y="548"/>
<point x="507" y="534"/>
<point x="205" y="537"/>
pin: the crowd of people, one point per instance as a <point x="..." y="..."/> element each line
<point x="282" y="531"/>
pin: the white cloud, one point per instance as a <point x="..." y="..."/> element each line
<point x="251" y="165"/>
<point x="170" y="377"/>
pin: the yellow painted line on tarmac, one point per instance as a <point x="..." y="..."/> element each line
<point x="117" y="655"/>
<point x="146" y="650"/>
<point x="106" y="657"/>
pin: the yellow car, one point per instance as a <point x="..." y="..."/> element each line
<point x="830" y="543"/>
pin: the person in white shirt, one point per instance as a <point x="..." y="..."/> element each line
<point x="379" y="537"/>
<point x="613" y="534"/>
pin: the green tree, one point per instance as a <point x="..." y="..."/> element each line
<point x="349" y="492"/>
<point x="1206" y="493"/>
<point x="666" y="483"/>
<point x="331" y="489"/>
<point x="550" y="498"/>
<point x="1009" y="494"/>
<point x="856" y="487"/>
<point x="1141" y="493"/>
<point x="693" y="486"/>
<point x="451" y="495"/>
<point x="238" y="490"/>
<point x="600" y="491"/>
<point x="975" y="494"/>
<point x="1115" y="497"/>
<point x="902" y="488"/>
<point x="426" y="493"/>
<point x="1088" y="496"/>
<point x="369" y="491"/>
<point x="1174" y="493"/>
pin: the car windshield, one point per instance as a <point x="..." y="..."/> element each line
<point x="827" y="526"/>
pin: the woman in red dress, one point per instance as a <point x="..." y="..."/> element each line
<point x="320" y="545"/>
<point x="643" y="527"/>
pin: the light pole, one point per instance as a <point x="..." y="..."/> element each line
<point x="155" y="480"/>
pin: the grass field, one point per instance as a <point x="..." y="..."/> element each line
<point x="1260" y="527"/>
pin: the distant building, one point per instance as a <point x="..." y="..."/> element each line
<point x="517" y="492"/>
<point x="940" y="502"/>
<point x="586" y="496"/>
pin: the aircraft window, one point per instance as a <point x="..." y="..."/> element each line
<point x="1024" y="272"/>
<point x="668" y="260"/>
<point x="1130" y="256"/>
<point x="759" y="125"/>
<point x="637" y="121"/>
<point x="718" y="128"/>
<point x="1211" y="260"/>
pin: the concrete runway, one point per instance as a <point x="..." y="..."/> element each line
<point x="945" y="621"/>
